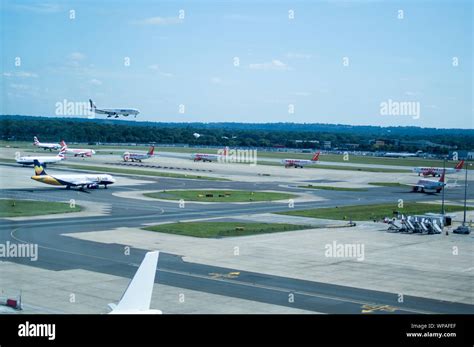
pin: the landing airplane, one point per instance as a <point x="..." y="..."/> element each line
<point x="137" y="297"/>
<point x="113" y="111"/>
<point x="30" y="160"/>
<point x="210" y="157"/>
<point x="429" y="186"/>
<point x="138" y="156"/>
<point x="45" y="146"/>
<point x="72" y="180"/>
<point x="78" y="152"/>
<point x="301" y="162"/>
<point x="437" y="171"/>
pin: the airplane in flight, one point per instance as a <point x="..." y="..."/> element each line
<point x="137" y="296"/>
<point x="78" y="152"/>
<point x="301" y="162"/>
<point x="429" y="186"/>
<point x="72" y="180"/>
<point x="210" y="157"/>
<point x="139" y="156"/>
<point x="30" y="160"/>
<point x="437" y="171"/>
<point x="113" y="111"/>
<point x="45" y="146"/>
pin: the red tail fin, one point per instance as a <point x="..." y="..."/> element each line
<point x="63" y="144"/>
<point x="152" y="149"/>
<point x="441" y="179"/>
<point x="315" y="156"/>
<point x="226" y="151"/>
<point x="459" y="165"/>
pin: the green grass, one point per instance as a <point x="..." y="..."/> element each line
<point x="388" y="184"/>
<point x="21" y="208"/>
<point x="223" y="229"/>
<point x="219" y="195"/>
<point x="141" y="172"/>
<point x="370" y="212"/>
<point x="310" y="186"/>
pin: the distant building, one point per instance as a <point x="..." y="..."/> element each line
<point x="462" y="154"/>
<point x="327" y="144"/>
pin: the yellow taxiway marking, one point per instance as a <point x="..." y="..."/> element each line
<point x="371" y="308"/>
<point x="229" y="275"/>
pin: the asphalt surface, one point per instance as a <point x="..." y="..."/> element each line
<point x="58" y="252"/>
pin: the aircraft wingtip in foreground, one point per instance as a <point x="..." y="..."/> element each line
<point x="116" y="112"/>
<point x="137" y="296"/>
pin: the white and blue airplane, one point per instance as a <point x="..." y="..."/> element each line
<point x="113" y="111"/>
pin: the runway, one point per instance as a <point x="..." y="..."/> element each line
<point x="60" y="252"/>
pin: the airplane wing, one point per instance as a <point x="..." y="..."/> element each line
<point x="137" y="297"/>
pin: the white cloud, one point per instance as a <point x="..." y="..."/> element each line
<point x="296" y="55"/>
<point x="20" y="74"/>
<point x="301" y="93"/>
<point x="159" y="21"/>
<point x="216" y="80"/>
<point x="275" y="64"/>
<point x="95" y="82"/>
<point x="39" y="7"/>
<point x="157" y="68"/>
<point x="76" y="56"/>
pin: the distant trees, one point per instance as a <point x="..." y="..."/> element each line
<point x="230" y="134"/>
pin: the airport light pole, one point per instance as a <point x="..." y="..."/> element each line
<point x="464" y="228"/>
<point x="444" y="186"/>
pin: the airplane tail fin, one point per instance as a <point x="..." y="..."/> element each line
<point x="226" y="151"/>
<point x="35" y="140"/>
<point x="39" y="171"/>
<point x="459" y="165"/>
<point x="315" y="156"/>
<point x="151" y="150"/>
<point x="441" y="179"/>
<point x="137" y="296"/>
<point x="63" y="144"/>
<point x="93" y="107"/>
<point x="62" y="152"/>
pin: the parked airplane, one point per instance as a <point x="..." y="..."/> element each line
<point x="301" y="162"/>
<point x="72" y="180"/>
<point x="402" y="155"/>
<point x="138" y="156"/>
<point x="30" y="160"/>
<point x="437" y="171"/>
<point x="137" y="297"/>
<point x="78" y="152"/>
<point x="430" y="186"/>
<point x="113" y="111"/>
<point x="45" y="146"/>
<point x="210" y="157"/>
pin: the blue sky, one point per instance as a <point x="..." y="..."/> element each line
<point x="282" y="61"/>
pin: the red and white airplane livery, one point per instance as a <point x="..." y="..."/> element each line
<point x="139" y="156"/>
<point x="437" y="171"/>
<point x="210" y="157"/>
<point x="78" y="152"/>
<point x="296" y="163"/>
